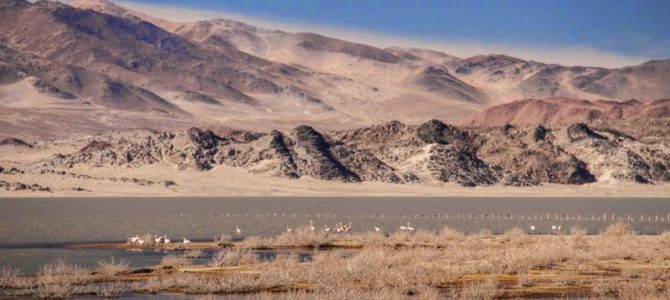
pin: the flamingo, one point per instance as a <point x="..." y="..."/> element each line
<point x="403" y="227"/>
<point x="289" y="229"/>
<point x="326" y="228"/>
<point x="238" y="230"/>
<point x="185" y="241"/>
<point x="532" y="228"/>
<point x="165" y="239"/>
<point x="377" y="229"/>
<point x="554" y="228"/>
<point x="338" y="227"/>
<point x="347" y="228"/>
<point x="158" y="239"/>
<point x="134" y="239"/>
<point x="409" y="228"/>
<point x="311" y="226"/>
<point x="140" y="242"/>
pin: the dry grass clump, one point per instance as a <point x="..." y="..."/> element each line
<point x="194" y="253"/>
<point x="577" y="231"/>
<point x="254" y="242"/>
<point x="629" y="290"/>
<point x="619" y="229"/>
<point x="60" y="280"/>
<point x="8" y="277"/>
<point x="478" y="290"/>
<point x="174" y="260"/>
<point x="448" y="233"/>
<point x="112" y="267"/>
<point x="113" y="289"/>
<point x="223" y="239"/>
<point x="236" y="257"/>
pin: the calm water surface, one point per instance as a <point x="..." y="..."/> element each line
<point x="33" y="231"/>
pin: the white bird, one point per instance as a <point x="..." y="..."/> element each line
<point x="347" y="228"/>
<point x="403" y="227"/>
<point x="377" y="229"/>
<point x="134" y="239"/>
<point x="532" y="228"/>
<point x="185" y="241"/>
<point x="140" y="242"/>
<point x="289" y="229"/>
<point x="338" y="227"/>
<point x="311" y="226"/>
<point x="165" y="239"/>
<point x="326" y="228"/>
<point x="409" y="228"/>
<point x="238" y="230"/>
<point x="158" y="240"/>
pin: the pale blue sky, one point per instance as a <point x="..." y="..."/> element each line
<point x="627" y="28"/>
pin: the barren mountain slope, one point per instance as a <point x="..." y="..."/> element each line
<point x="557" y="111"/>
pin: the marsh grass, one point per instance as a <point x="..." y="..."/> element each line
<point x="421" y="265"/>
<point x="60" y="280"/>
<point x="236" y="257"/>
<point x="112" y="267"/>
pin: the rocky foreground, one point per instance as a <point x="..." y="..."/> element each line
<point x="392" y="153"/>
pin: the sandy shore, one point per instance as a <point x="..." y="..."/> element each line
<point x="228" y="181"/>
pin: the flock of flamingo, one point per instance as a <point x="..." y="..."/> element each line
<point x="339" y="228"/>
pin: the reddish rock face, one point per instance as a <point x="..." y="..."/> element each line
<point x="561" y="111"/>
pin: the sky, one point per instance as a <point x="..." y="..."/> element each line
<point x="610" y="33"/>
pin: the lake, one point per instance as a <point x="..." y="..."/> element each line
<point x="34" y="231"/>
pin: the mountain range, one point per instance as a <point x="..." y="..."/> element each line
<point x="92" y="85"/>
<point x="93" y="65"/>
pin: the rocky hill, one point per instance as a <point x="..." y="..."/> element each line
<point x="393" y="152"/>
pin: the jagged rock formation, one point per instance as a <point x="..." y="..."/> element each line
<point x="397" y="153"/>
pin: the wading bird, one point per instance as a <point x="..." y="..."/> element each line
<point x="185" y="241"/>
<point x="311" y="226"/>
<point x="347" y="228"/>
<point x="238" y="230"/>
<point x="409" y="228"/>
<point x="158" y="239"/>
<point x="532" y="228"/>
<point x="134" y="239"/>
<point x="326" y="228"/>
<point x="289" y="229"/>
<point x="338" y="227"/>
<point x="377" y="229"/>
<point x="165" y="239"/>
<point x="402" y="227"/>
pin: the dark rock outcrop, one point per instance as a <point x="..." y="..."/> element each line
<point x="397" y="153"/>
<point x="317" y="160"/>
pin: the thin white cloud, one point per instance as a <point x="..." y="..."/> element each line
<point x="569" y="56"/>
